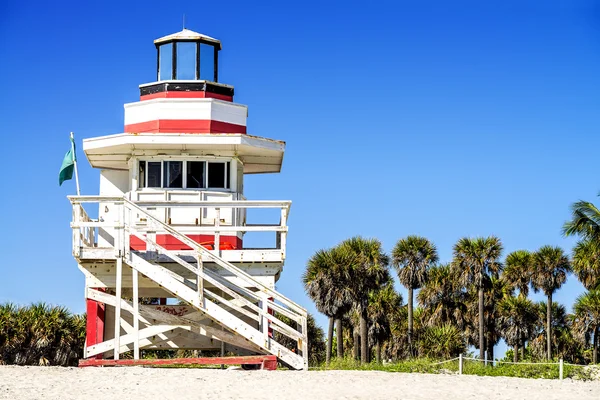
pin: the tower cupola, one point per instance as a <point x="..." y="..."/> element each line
<point x="188" y="55"/>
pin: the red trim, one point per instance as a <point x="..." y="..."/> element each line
<point x="94" y="330"/>
<point x="186" y="95"/>
<point x="267" y="362"/>
<point x="184" y="126"/>
<point x="171" y="243"/>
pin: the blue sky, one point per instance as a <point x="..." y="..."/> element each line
<point x="444" y="120"/>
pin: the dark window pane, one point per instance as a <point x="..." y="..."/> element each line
<point x="166" y="62"/>
<point x="154" y="174"/>
<point x="216" y="175"/>
<point x="186" y="60"/>
<point x="173" y="174"/>
<point x="227" y="175"/>
<point x="142" y="174"/>
<point x="207" y="62"/>
<point x="195" y="174"/>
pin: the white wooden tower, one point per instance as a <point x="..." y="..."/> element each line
<point x="171" y="223"/>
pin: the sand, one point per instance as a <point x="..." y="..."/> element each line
<point x="147" y="383"/>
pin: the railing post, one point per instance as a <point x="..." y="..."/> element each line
<point x="460" y="364"/>
<point x="76" y="229"/>
<point x="560" y="369"/>
<point x="283" y="235"/>
<point x="218" y="231"/>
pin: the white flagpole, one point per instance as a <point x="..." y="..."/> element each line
<point x="75" y="163"/>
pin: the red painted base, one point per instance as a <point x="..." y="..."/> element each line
<point x="266" y="362"/>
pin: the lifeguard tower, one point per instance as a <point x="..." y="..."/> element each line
<point x="171" y="225"/>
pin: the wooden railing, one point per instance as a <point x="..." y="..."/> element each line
<point x="85" y="229"/>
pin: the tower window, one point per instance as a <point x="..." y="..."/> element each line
<point x="154" y="169"/>
<point x="186" y="61"/>
<point x="195" y="174"/>
<point x="217" y="172"/>
<point x="207" y="62"/>
<point x="184" y="174"/>
<point x="173" y="174"/>
<point x="165" y="62"/>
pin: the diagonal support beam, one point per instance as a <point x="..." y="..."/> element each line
<point x="148" y="313"/>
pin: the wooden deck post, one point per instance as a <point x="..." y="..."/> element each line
<point x="117" y="339"/>
<point x="136" y="315"/>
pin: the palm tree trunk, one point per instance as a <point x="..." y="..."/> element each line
<point x="378" y="351"/>
<point x="516" y="355"/>
<point x="549" y="326"/>
<point x="329" y="341"/>
<point x="523" y="350"/>
<point x="340" y="338"/>
<point x="364" y="339"/>
<point x="481" y="338"/>
<point x="490" y="347"/>
<point x="410" y="320"/>
<point x="356" y="343"/>
<point x="595" y="351"/>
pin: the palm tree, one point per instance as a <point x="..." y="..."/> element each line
<point x="550" y="268"/>
<point x="517" y="271"/>
<point x="325" y="282"/>
<point x="585" y="221"/>
<point x="368" y="270"/>
<point x="442" y="298"/>
<point x="383" y="303"/>
<point x="412" y="257"/>
<point x="518" y="316"/>
<point x="475" y="260"/>
<point x="587" y="309"/>
<point x="586" y="263"/>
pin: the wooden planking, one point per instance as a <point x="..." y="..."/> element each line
<point x="267" y="362"/>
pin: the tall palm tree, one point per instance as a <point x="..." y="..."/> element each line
<point x="586" y="263"/>
<point x="326" y="283"/>
<point x="412" y="257"/>
<point x="383" y="303"/>
<point x="475" y="260"/>
<point x="550" y="267"/>
<point x="587" y="309"/>
<point x="368" y="271"/>
<point x="517" y="271"/>
<point x="518" y="316"/>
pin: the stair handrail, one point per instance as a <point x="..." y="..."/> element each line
<point x="218" y="260"/>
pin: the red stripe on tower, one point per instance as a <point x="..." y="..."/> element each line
<point x="184" y="126"/>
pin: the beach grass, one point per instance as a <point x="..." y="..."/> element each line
<point x="429" y="366"/>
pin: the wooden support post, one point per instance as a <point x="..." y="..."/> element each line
<point x="264" y="321"/>
<point x="304" y="343"/>
<point x="117" y="339"/>
<point x="217" y="231"/>
<point x="560" y="368"/>
<point x="136" y="315"/>
<point x="222" y="351"/>
<point x="460" y="364"/>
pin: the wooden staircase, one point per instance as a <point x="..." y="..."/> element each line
<point x="231" y="306"/>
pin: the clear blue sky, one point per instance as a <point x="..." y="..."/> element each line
<point x="400" y="118"/>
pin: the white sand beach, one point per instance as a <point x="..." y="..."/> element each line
<point x="153" y="383"/>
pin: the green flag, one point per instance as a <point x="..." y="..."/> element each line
<point x="68" y="165"/>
